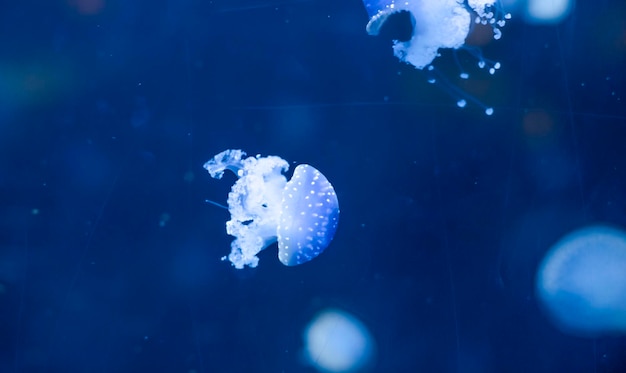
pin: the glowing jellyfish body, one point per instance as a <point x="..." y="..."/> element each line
<point x="301" y="215"/>
<point x="581" y="282"/>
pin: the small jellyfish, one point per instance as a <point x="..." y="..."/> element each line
<point x="581" y="282"/>
<point x="300" y="214"/>
<point x="336" y="341"/>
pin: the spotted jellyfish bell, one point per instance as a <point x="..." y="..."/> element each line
<point x="300" y="214"/>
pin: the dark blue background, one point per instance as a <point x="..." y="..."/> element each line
<point x="109" y="257"/>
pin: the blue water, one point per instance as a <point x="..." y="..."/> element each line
<point x="110" y="258"/>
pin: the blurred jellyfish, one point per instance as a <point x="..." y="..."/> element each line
<point x="581" y="282"/>
<point x="547" y="12"/>
<point x="434" y="25"/>
<point x="301" y="214"/>
<point x="336" y="341"/>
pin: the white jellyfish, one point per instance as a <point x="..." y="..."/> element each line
<point x="336" y="341"/>
<point x="436" y="24"/>
<point x="581" y="282"/>
<point x="301" y="214"/>
<point x="421" y="28"/>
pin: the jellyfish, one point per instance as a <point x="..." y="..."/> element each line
<point x="434" y="25"/>
<point x="581" y="282"/>
<point x="336" y="341"/>
<point x="300" y="214"/>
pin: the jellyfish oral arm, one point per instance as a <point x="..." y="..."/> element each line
<point x="253" y="202"/>
<point x="227" y="160"/>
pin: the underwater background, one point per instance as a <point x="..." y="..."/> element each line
<point x="110" y="258"/>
